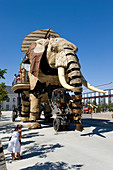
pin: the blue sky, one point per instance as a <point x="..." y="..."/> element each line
<point x="86" y="23"/>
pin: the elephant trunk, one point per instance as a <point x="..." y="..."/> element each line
<point x="74" y="79"/>
<point x="74" y="83"/>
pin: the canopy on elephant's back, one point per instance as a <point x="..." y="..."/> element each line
<point x="36" y="35"/>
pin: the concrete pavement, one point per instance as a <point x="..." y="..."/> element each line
<point x="45" y="149"/>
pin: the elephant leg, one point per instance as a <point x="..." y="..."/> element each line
<point x="47" y="108"/>
<point x="34" y="108"/>
<point x="25" y="106"/>
<point x="34" y="112"/>
<point x="47" y="113"/>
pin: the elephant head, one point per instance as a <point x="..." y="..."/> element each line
<point x="60" y="55"/>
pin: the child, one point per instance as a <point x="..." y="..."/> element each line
<point x="14" y="144"/>
<point x="19" y="127"/>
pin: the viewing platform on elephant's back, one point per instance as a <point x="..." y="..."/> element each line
<point x="19" y="87"/>
<point x="21" y="81"/>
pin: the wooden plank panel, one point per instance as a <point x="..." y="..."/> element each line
<point x="39" y="34"/>
<point x="32" y="38"/>
<point x="44" y="31"/>
<point x="27" y="42"/>
<point x="36" y="35"/>
<point x="25" y="46"/>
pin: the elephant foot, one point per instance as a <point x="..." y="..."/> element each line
<point x="48" y="120"/>
<point x="79" y="127"/>
<point x="24" y="119"/>
<point x="34" y="125"/>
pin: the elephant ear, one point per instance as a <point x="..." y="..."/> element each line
<point x="35" y="53"/>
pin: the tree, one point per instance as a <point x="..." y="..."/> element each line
<point x="94" y="102"/>
<point x="2" y="72"/>
<point x="102" y="107"/>
<point x="3" y="93"/>
<point x="110" y="105"/>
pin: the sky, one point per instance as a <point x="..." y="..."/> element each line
<point x="86" y="23"/>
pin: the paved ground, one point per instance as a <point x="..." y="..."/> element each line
<point x="44" y="149"/>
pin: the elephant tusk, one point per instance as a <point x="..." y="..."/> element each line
<point x="61" y="75"/>
<point x="87" y="85"/>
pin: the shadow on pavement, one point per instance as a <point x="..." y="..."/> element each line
<point x="53" y="165"/>
<point x="30" y="135"/>
<point x="7" y="128"/>
<point x="40" y="151"/>
<point x="101" y="126"/>
<point x="35" y="150"/>
<point x="4" y="118"/>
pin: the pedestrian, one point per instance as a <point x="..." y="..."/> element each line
<point x="0" y="113"/>
<point x="15" y="78"/>
<point x="14" y="145"/>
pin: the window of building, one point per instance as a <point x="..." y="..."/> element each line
<point x="94" y="93"/>
<point x="13" y="106"/>
<point x="8" y="100"/>
<point x="109" y="92"/>
<point x="14" y="99"/>
<point x="7" y="107"/>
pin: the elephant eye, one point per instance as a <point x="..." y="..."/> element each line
<point x="54" y="49"/>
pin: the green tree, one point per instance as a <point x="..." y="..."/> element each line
<point x="2" y="72"/>
<point x="99" y="108"/>
<point x="102" y="107"/>
<point x="110" y="105"/>
<point x="3" y="93"/>
<point x="94" y="102"/>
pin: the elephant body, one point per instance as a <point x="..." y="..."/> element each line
<point x="53" y="64"/>
<point x="45" y="57"/>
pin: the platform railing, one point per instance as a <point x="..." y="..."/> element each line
<point x="21" y="78"/>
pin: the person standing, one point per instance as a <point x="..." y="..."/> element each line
<point x="14" y="145"/>
<point x="0" y="113"/>
<point x="15" y="78"/>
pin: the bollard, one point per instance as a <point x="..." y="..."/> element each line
<point x="112" y="115"/>
<point x="2" y="158"/>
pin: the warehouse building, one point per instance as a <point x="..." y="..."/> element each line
<point x="11" y="102"/>
<point x="90" y="96"/>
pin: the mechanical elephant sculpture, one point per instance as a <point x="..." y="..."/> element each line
<point x="54" y="63"/>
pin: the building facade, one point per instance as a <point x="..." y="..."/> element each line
<point x="11" y="102"/>
<point x="90" y="96"/>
